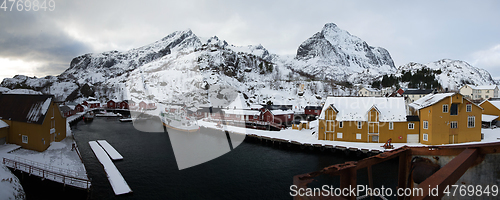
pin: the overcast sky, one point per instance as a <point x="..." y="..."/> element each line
<point x="44" y="42"/>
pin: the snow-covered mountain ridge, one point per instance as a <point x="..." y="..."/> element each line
<point x="454" y="73"/>
<point x="183" y="67"/>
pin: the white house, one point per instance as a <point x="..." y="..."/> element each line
<point x="479" y="92"/>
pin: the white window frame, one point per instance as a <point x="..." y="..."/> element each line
<point x="425" y="124"/>
<point x="391" y="125"/>
<point x="358" y="136"/>
<point x="339" y="135"/>
<point x="411" y="125"/>
<point x="454" y="122"/>
<point x="25" y="139"/>
<point x="341" y="124"/>
<point x="471" y="120"/>
<point x="360" y="125"/>
<point x="468" y="108"/>
<point x="445" y="108"/>
<point x="425" y="137"/>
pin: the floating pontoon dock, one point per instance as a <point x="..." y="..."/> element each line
<point x="115" y="178"/>
<point x="113" y="154"/>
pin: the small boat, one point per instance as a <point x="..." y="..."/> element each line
<point x="128" y="119"/>
<point x="88" y="117"/>
<point x="108" y="114"/>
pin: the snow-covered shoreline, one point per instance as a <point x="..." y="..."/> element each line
<point x="307" y="138"/>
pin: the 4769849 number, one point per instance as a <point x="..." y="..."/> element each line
<point x="28" y="5"/>
<point x="471" y="190"/>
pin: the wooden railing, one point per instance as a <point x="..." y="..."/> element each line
<point x="60" y="175"/>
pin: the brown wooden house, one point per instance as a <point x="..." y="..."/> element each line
<point x="34" y="120"/>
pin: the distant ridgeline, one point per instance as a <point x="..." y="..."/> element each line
<point x="423" y="78"/>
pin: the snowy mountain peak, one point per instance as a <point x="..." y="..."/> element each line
<point x="342" y="56"/>
<point x="215" y="41"/>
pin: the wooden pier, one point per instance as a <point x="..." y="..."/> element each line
<point x="44" y="171"/>
<point x="321" y="147"/>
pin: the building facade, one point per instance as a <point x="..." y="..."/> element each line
<point x="34" y="120"/>
<point x="365" y="119"/>
<point x="448" y="118"/>
<point x="491" y="107"/>
<point x="479" y="93"/>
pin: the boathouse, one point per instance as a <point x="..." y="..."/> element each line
<point x="365" y="119"/>
<point x="111" y="103"/>
<point x="34" y="120"/>
<point x="123" y="104"/>
<point x="448" y="118"/>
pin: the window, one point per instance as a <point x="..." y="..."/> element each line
<point x="487" y="96"/>
<point x="454" y="109"/>
<point x="454" y="124"/>
<point x="358" y="136"/>
<point x="445" y="108"/>
<point x="425" y="137"/>
<point x="25" y="139"/>
<point x="468" y="107"/>
<point x="289" y="116"/>
<point x="375" y="138"/>
<point x="471" y="121"/>
<point x="359" y="125"/>
<point x="341" y="124"/>
<point x="391" y="125"/>
<point x="339" y="135"/>
<point x="426" y="124"/>
<point x="411" y="125"/>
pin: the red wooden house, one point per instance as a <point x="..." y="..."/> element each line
<point x="79" y="108"/>
<point x="123" y="104"/>
<point x="92" y="104"/>
<point x="111" y="104"/>
<point x="284" y="117"/>
<point x="143" y="105"/>
<point x="313" y="110"/>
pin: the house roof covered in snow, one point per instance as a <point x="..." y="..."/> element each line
<point x="429" y="100"/>
<point x="483" y="87"/>
<point x="495" y="102"/>
<point x="356" y="108"/>
<point x="241" y="112"/>
<point x="3" y="124"/>
<point x="281" y="112"/>
<point x="313" y="107"/>
<point x="24" y="107"/>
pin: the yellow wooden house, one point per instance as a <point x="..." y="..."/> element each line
<point x="34" y="121"/>
<point x="491" y="107"/>
<point x="448" y="118"/>
<point x="367" y="119"/>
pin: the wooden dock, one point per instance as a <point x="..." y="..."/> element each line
<point x="115" y="178"/>
<point x="321" y="147"/>
<point x="56" y="174"/>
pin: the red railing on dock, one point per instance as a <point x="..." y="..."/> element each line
<point x="60" y="175"/>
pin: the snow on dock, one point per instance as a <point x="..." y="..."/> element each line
<point x="113" y="154"/>
<point x="115" y="178"/>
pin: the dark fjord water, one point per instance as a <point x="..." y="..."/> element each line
<point x="253" y="170"/>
